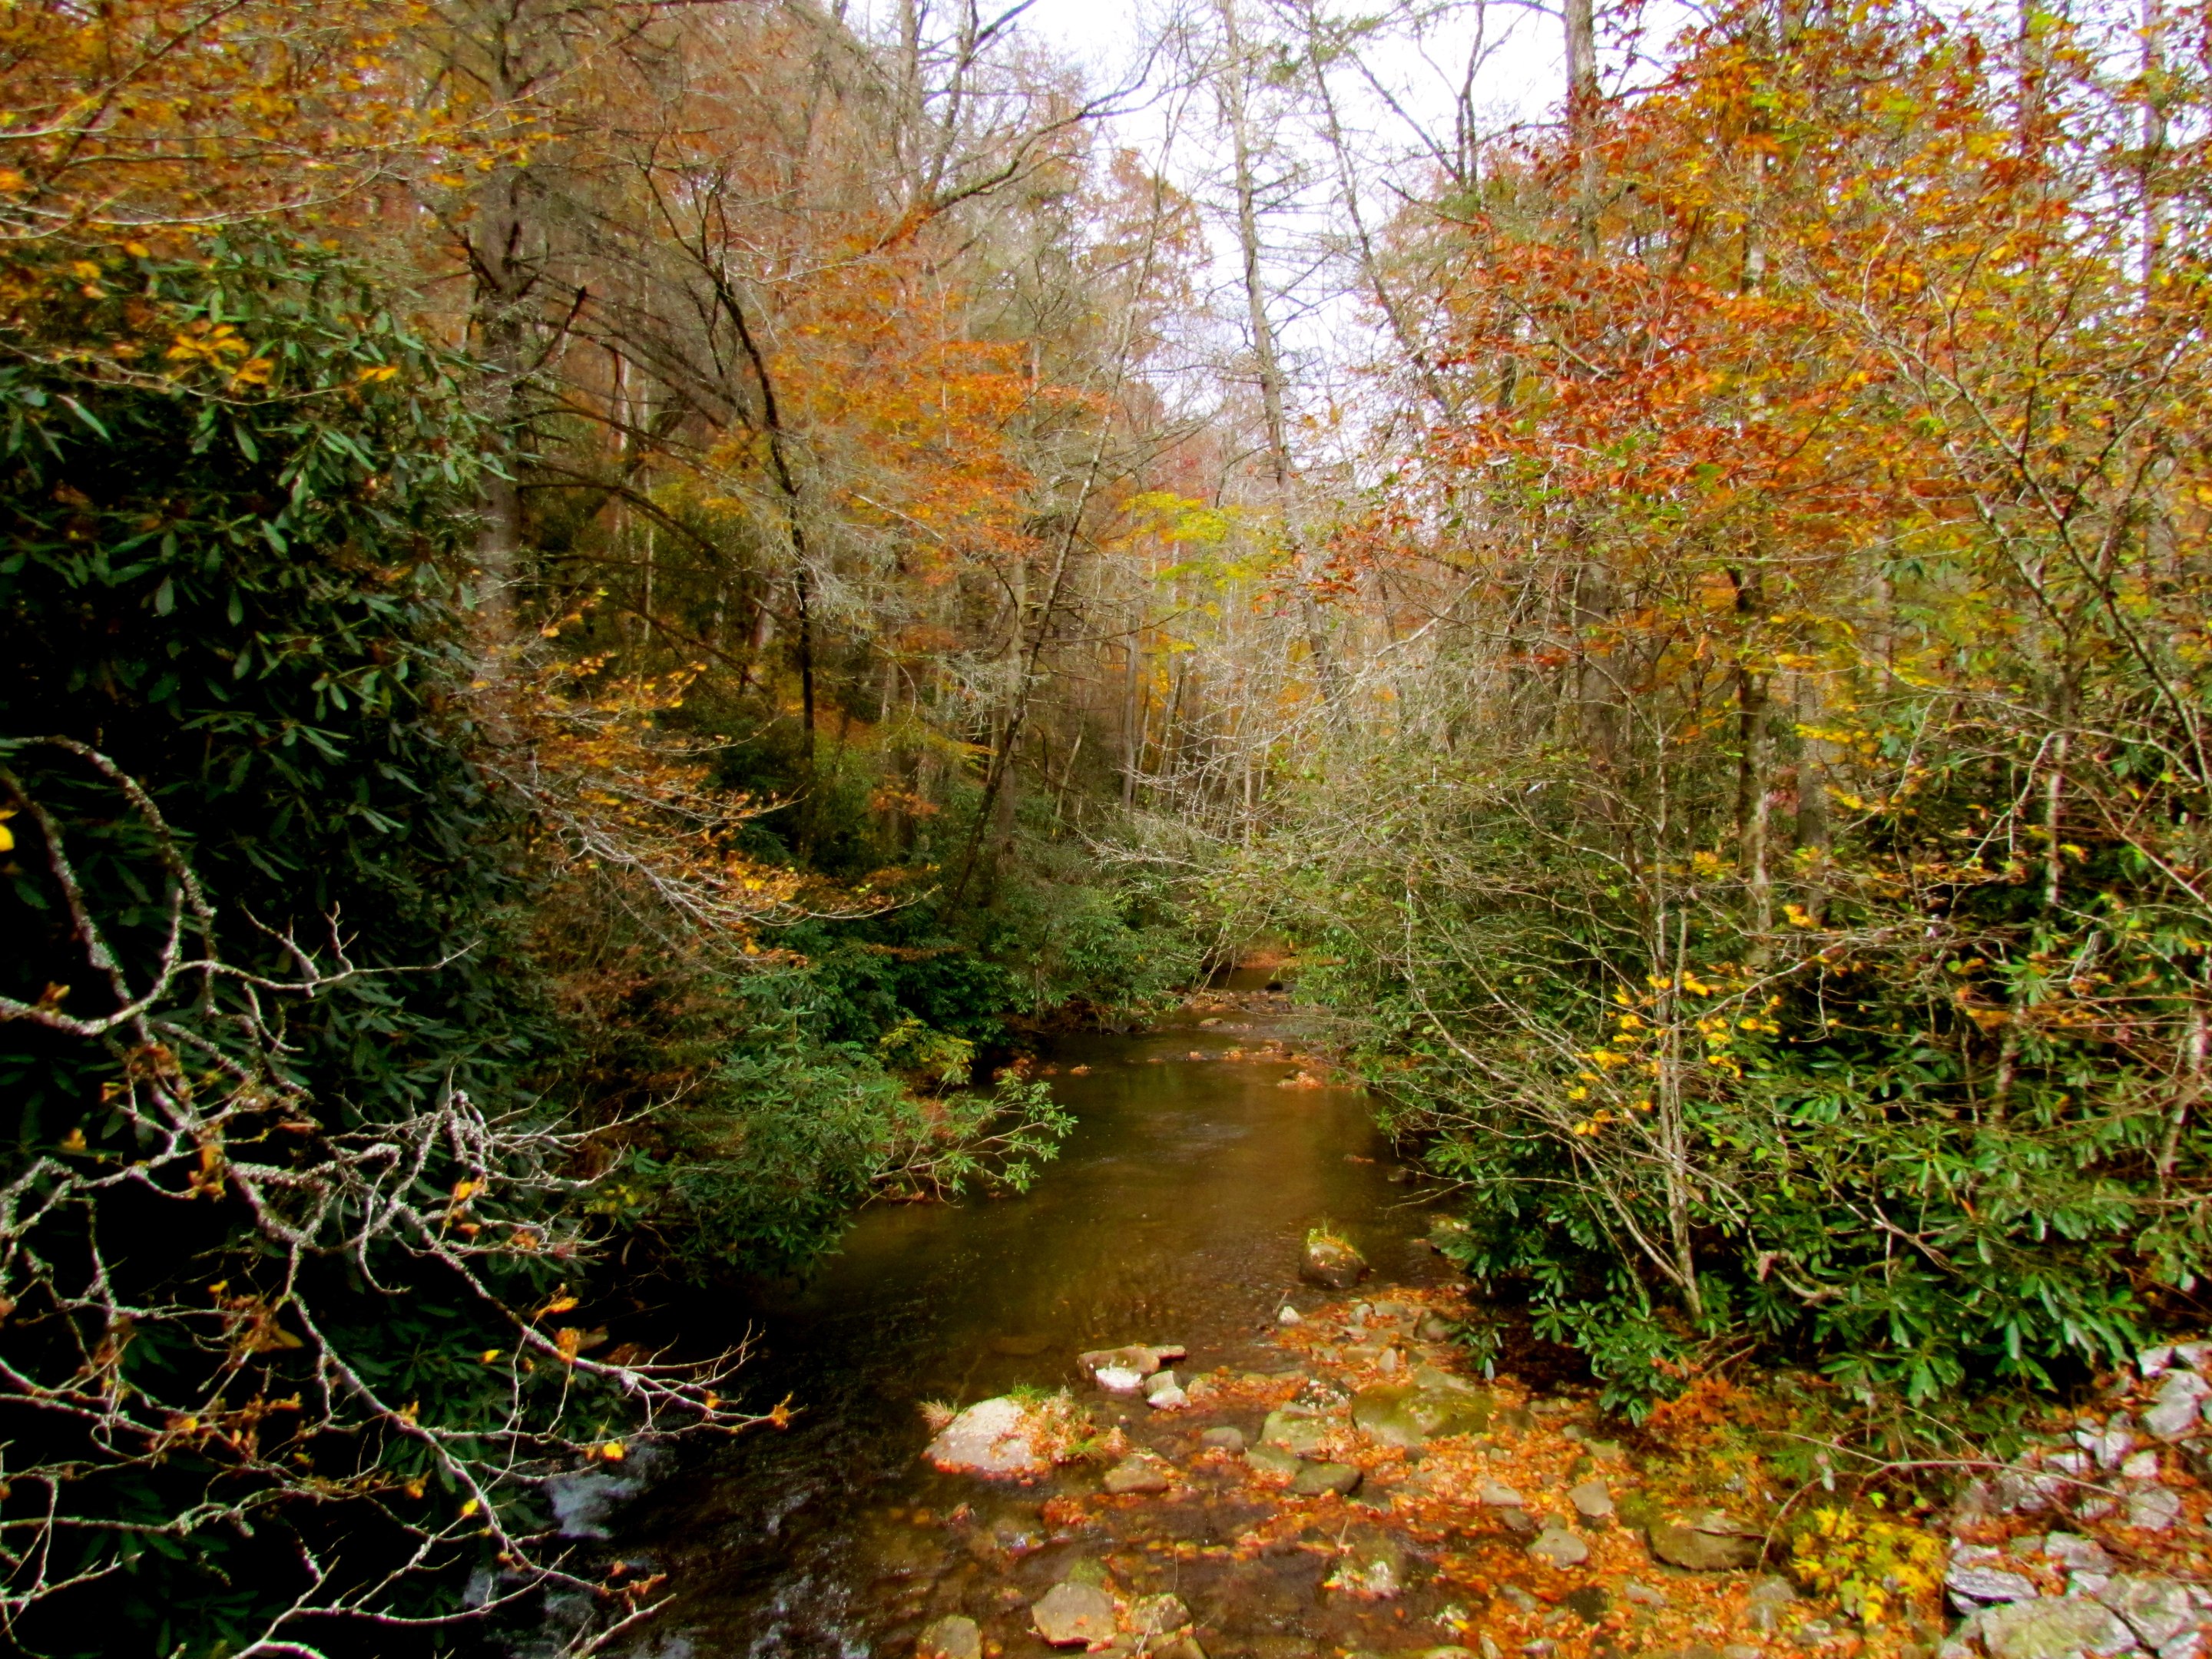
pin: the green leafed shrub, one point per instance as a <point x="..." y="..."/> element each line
<point x="284" y="1254"/>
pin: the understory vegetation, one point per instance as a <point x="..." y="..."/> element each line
<point x="609" y="607"/>
<point x="1770" y="863"/>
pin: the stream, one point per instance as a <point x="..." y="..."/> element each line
<point x="1175" y="1212"/>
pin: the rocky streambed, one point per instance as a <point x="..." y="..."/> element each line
<point x="1368" y="1497"/>
<point x="1364" y="1495"/>
<point x="1152" y="1434"/>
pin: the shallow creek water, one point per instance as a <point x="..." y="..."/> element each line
<point x="1174" y="1213"/>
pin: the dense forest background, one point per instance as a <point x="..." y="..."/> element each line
<point x="606" y="602"/>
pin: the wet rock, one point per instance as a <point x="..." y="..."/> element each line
<point x="1142" y="1357"/>
<point x="1498" y="1495"/>
<point x="988" y="1438"/>
<point x="952" y="1638"/>
<point x="1166" y="1400"/>
<point x="1518" y="1521"/>
<point x="1119" y="1379"/>
<point x="583" y="1498"/>
<point x="1331" y="1262"/>
<point x="2190" y="1645"/>
<point x="1592" y="1500"/>
<point x="2174" y="1411"/>
<point x="1587" y="1604"/>
<point x="1388" y="1362"/>
<point x="1558" y="1546"/>
<point x="2153" y="1509"/>
<point x="1016" y="1533"/>
<point x="1643" y="1594"/>
<point x="2053" y="1629"/>
<point x="1373" y="1566"/>
<point x="1273" y="1459"/>
<point x="1289" y="1316"/>
<point x="1312" y="1480"/>
<point x="1162" y="1379"/>
<point x="1073" y="1615"/>
<point x="1225" y="1438"/>
<point x="1719" y="1549"/>
<point x="1139" y="1472"/>
<point x="1292" y="1431"/>
<point x="1434" y="1329"/>
<point x="1157" y="1616"/>
<point x="2158" y="1609"/>
<point x="2140" y="1466"/>
<point x="1408" y="1414"/>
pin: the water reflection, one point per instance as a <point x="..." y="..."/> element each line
<point x="1174" y="1213"/>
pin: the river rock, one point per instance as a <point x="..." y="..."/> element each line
<point x="1166" y="1400"/>
<point x="2110" y="1444"/>
<point x="1560" y="1548"/>
<point x="1292" y="1432"/>
<point x="1312" y="1479"/>
<point x="990" y="1438"/>
<point x="1273" y="1459"/>
<point x="1139" y="1472"/>
<point x="1223" y="1436"/>
<point x="2052" y="1629"/>
<point x="1971" y="1582"/>
<point x="1118" y="1379"/>
<point x="1157" y="1616"/>
<point x="1331" y="1262"/>
<point x="2174" y="1412"/>
<point x="1587" y="1604"/>
<point x="1373" y="1566"/>
<point x="1407" y="1414"/>
<point x="2153" y="1508"/>
<point x="1764" y="1607"/>
<point x="1073" y="1614"/>
<point x="2159" y="1609"/>
<point x="1435" y="1377"/>
<point x="2071" y="1551"/>
<point x="951" y="1637"/>
<point x="1689" y="1544"/>
<point x="1592" y="1500"/>
<point x="1143" y="1358"/>
<point x="1500" y="1496"/>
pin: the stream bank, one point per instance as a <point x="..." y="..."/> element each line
<point x="1338" y="1483"/>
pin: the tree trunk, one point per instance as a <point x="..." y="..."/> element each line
<point x="1266" y="350"/>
